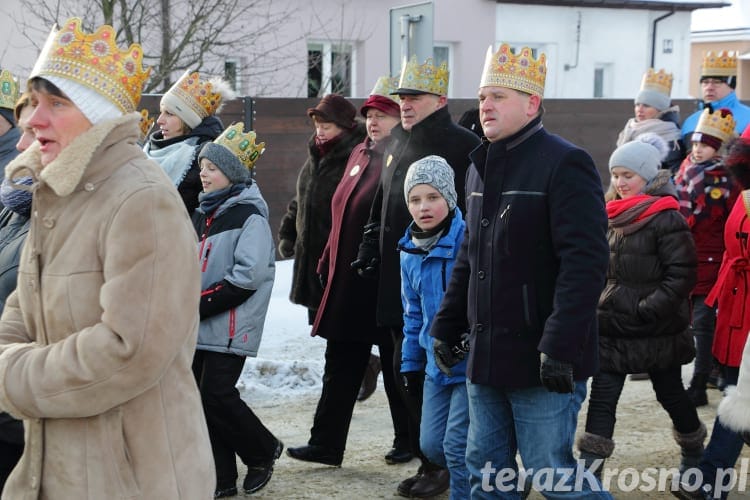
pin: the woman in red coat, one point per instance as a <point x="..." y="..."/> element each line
<point x="346" y="316"/>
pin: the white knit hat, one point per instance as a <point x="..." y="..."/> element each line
<point x="642" y="155"/>
<point x="92" y="104"/>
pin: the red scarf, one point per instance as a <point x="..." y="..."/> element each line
<point x="630" y="214"/>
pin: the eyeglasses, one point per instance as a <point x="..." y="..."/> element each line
<point x="712" y="81"/>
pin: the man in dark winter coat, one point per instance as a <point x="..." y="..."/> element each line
<point x="529" y="274"/>
<point x="426" y="128"/>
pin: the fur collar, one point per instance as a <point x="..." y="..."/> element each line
<point x="66" y="171"/>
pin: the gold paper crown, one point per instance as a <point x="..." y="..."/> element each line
<point x="723" y="63"/>
<point x="146" y="123"/>
<point x="716" y="125"/>
<point x="385" y="86"/>
<point x="197" y="94"/>
<point x="424" y="77"/>
<point x="515" y="71"/>
<point x="241" y="144"/>
<point x="94" y="61"/>
<point x="8" y="90"/>
<point x="658" y="81"/>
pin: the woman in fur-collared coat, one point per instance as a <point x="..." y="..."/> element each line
<point x="305" y="226"/>
<point x="97" y="340"/>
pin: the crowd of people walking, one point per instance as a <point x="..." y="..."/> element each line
<point x="485" y="261"/>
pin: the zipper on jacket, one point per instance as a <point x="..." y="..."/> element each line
<point x="444" y="273"/>
<point x="205" y="258"/>
<point x="506" y="224"/>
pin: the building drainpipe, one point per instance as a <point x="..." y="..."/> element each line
<point x="653" y="36"/>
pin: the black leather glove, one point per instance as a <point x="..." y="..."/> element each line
<point x="286" y="248"/>
<point x="368" y="256"/>
<point x="556" y="376"/>
<point x="413" y="381"/>
<point x="447" y="356"/>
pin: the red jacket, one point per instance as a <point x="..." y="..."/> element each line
<point x="732" y="291"/>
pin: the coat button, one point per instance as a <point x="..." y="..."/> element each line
<point x="88" y="186"/>
<point x="481" y="275"/>
<point x="485" y="222"/>
<point x="479" y="328"/>
<point x="48" y="222"/>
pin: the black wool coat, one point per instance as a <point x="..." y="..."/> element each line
<point x="644" y="312"/>
<point x="436" y="134"/>
<point x="307" y="221"/>
<point x="532" y="265"/>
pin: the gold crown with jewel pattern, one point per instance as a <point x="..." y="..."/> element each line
<point x="9" y="91"/>
<point x="424" y="77"/>
<point x="723" y="63"/>
<point x="241" y="144"/>
<point x="518" y="71"/>
<point x="94" y="61"/>
<point x="658" y="81"/>
<point x="715" y="125"/>
<point x="385" y="86"/>
<point x="197" y="94"/>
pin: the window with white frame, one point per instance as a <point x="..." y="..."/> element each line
<point x="329" y="68"/>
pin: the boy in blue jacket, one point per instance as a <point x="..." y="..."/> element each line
<point x="428" y="252"/>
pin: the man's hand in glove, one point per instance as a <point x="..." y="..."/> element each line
<point x="447" y="356"/>
<point x="556" y="376"/>
<point x="368" y="256"/>
<point x="413" y="382"/>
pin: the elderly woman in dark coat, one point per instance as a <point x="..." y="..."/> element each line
<point x="643" y="311"/>
<point x="307" y="222"/>
<point x="346" y="317"/>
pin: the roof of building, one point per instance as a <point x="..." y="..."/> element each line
<point x="681" y="5"/>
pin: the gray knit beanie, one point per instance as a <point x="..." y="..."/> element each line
<point x="652" y="98"/>
<point x="642" y="155"/>
<point x="227" y="162"/>
<point x="436" y="172"/>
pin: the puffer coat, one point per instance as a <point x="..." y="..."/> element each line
<point x="97" y="341"/>
<point x="644" y="311"/>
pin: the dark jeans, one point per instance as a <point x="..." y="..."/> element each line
<point x="606" y="388"/>
<point x="702" y="325"/>
<point x="724" y="446"/>
<point x="232" y="425"/>
<point x="344" y="369"/>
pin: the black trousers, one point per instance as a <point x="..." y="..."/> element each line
<point x="606" y="388"/>
<point x="232" y="425"/>
<point x="344" y="369"/>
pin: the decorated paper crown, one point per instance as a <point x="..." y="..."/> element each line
<point x="146" y="122"/>
<point x="8" y="90"/>
<point x="94" y="61"/>
<point x="192" y="99"/>
<point x="423" y="78"/>
<point x="241" y="144"/>
<point x="723" y="63"/>
<point x="658" y="81"/>
<point x="515" y="71"/>
<point x="385" y="86"/>
<point x="718" y="124"/>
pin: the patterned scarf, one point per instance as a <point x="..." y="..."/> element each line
<point x="692" y="187"/>
<point x="17" y="200"/>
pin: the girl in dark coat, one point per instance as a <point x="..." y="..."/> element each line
<point x="307" y="222"/>
<point x="643" y="312"/>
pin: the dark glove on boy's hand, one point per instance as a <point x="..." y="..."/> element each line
<point x="446" y="356"/>
<point x="556" y="376"/>
<point x="413" y="381"/>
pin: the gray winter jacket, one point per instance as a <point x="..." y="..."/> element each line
<point x="237" y="260"/>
